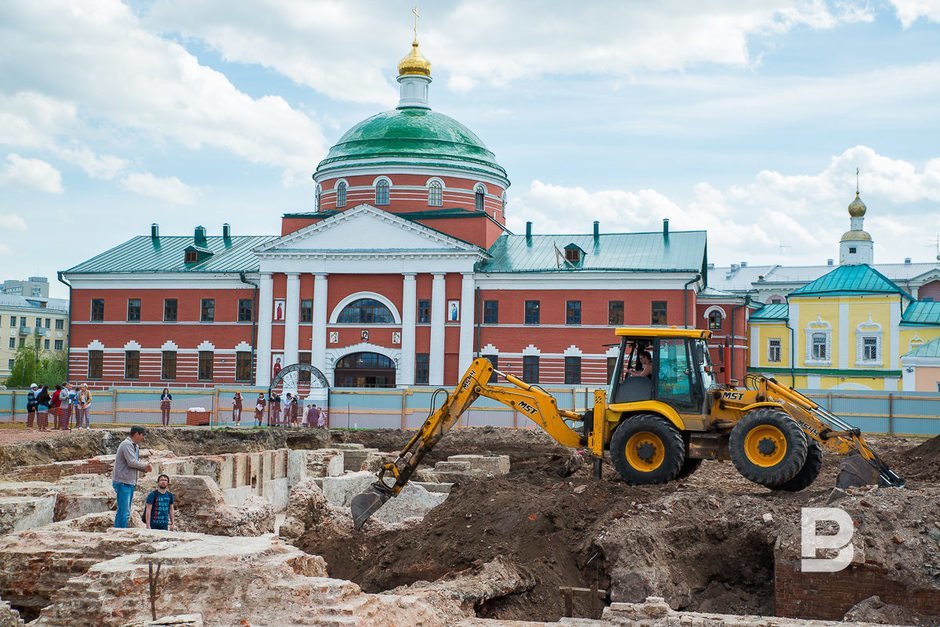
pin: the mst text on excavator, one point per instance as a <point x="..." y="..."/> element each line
<point x="662" y="414"/>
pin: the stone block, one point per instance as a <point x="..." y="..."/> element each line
<point x="353" y="459"/>
<point x="490" y="464"/>
<point x="25" y="488"/>
<point x="267" y="467"/>
<point x="349" y="446"/>
<point x="209" y="466"/>
<point x="413" y="501"/>
<point x="374" y="461"/>
<point x="227" y="472"/>
<point x="325" y="463"/>
<point x="296" y="467"/>
<point x="276" y="492"/>
<point x="236" y="496"/>
<point x="19" y="513"/>
<point x="442" y="488"/>
<point x="74" y="505"/>
<point x="280" y="463"/>
<point x="255" y="474"/>
<point x="242" y="470"/>
<point x="452" y="466"/>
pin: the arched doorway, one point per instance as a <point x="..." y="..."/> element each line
<point x="364" y="370"/>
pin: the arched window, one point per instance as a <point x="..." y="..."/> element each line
<point x="435" y="194"/>
<point x="381" y="193"/>
<point x="714" y="320"/>
<point x="479" y="196"/>
<point x="776" y="300"/>
<point x="365" y="360"/>
<point x="366" y="311"/>
<point x="341" y="194"/>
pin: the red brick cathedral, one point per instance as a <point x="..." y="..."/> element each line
<point x="402" y="274"/>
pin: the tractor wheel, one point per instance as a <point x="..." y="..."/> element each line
<point x="768" y="447"/>
<point x="808" y="472"/>
<point x="647" y="449"/>
<point x="688" y="467"/>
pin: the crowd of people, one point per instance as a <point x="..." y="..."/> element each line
<point x="68" y="404"/>
<point x="282" y="413"/>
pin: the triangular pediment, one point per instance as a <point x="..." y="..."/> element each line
<point x="365" y="228"/>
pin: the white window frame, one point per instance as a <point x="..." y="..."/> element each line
<point x="868" y="330"/>
<point x="435" y="193"/>
<point x="479" y="189"/>
<point x="818" y="327"/>
<point x="772" y="344"/>
<point x="388" y="198"/>
<point x="342" y="190"/>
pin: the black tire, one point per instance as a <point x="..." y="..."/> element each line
<point x="809" y="471"/>
<point x="656" y="440"/>
<point x="768" y="447"/>
<point x="689" y="466"/>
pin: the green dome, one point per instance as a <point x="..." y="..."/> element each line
<point x="408" y="135"/>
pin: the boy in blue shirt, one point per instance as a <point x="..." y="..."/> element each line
<point x="160" y="512"/>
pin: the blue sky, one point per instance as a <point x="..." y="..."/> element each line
<point x="747" y="119"/>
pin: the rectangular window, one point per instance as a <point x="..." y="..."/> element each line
<point x="820" y="347"/>
<point x="306" y="310"/>
<point x="572" y="370"/>
<point x="95" y="364"/>
<point x="658" y="312"/>
<point x="59" y="345"/>
<point x="133" y="310"/>
<point x="573" y="312"/>
<point x="59" y="325"/>
<point x="207" y="311"/>
<point x="615" y="312"/>
<point x="243" y="366"/>
<point x="12" y="321"/>
<point x="870" y="348"/>
<point x="22" y="342"/>
<point x="424" y="311"/>
<point x="304" y="357"/>
<point x="23" y="321"/>
<point x="97" y="310"/>
<point x="422" y="368"/>
<point x="773" y="350"/>
<point x="12" y="342"/>
<point x="38" y="323"/>
<point x="245" y="310"/>
<point x="205" y="365"/>
<point x="131" y="364"/>
<point x="45" y="344"/>
<point x="532" y="312"/>
<point x="10" y="363"/>
<point x="490" y="312"/>
<point x="170" y="310"/>
<point x="168" y="366"/>
<point x="494" y="359"/>
<point x="48" y="321"/>
<point x="530" y="368"/>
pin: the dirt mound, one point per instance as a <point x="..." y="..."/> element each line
<point x="922" y="462"/>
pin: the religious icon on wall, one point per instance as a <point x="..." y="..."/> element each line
<point x="279" y="307"/>
<point x="334" y="337"/>
<point x="364" y="335"/>
<point x="396" y="337"/>
<point x="278" y="363"/>
<point x="453" y="311"/>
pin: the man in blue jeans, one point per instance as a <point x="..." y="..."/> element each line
<point x="124" y="477"/>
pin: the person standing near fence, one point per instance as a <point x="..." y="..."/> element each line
<point x="237" y="409"/>
<point x="43" y="402"/>
<point x="165" y="399"/>
<point x="73" y="404"/>
<point x="54" y="408"/>
<point x="274" y="410"/>
<point x="124" y="476"/>
<point x="65" y="406"/>
<point x="259" y="408"/>
<point x="83" y="407"/>
<point x="31" y="406"/>
<point x="313" y="416"/>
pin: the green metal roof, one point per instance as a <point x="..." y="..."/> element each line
<point x="612" y="252"/>
<point x="922" y="312"/>
<point x="929" y="350"/>
<point x="142" y="254"/>
<point x="771" y="312"/>
<point x="408" y="134"/>
<point x="848" y="280"/>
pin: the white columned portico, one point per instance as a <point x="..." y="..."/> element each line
<point x="292" y="319"/>
<point x="467" y="313"/>
<point x="438" y="315"/>
<point x="318" y="347"/>
<point x="406" y="372"/>
<point x="265" y="313"/>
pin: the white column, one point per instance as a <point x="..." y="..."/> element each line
<point x="318" y="348"/>
<point x="845" y="337"/>
<point x="438" y="314"/>
<point x="467" y="312"/>
<point x="292" y="327"/>
<point x="265" y="313"/>
<point x="406" y="373"/>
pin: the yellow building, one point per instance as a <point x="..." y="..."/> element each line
<point x="28" y="321"/>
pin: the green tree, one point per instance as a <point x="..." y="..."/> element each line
<point x="29" y="366"/>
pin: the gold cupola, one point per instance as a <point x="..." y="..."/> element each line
<point x="414" y="63"/>
<point x="857" y="208"/>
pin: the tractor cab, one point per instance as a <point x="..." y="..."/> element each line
<point x="666" y="365"/>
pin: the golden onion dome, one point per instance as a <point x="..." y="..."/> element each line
<point x="857" y="208"/>
<point x="856" y="236"/>
<point x="414" y="63"/>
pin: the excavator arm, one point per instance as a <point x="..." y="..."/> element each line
<point x="530" y="400"/>
<point x="829" y="431"/>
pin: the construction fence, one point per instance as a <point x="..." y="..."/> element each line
<point x="897" y="413"/>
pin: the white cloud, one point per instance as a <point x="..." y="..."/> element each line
<point x="803" y="213"/>
<point x="31" y="174"/>
<point x="170" y="189"/>
<point x="12" y="222"/>
<point x="104" y="167"/>
<point x="909" y="11"/>
<point x="5" y="250"/>
<point x="135" y="81"/>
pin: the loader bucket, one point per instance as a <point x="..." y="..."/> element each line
<point x="856" y="471"/>
<point x="367" y="503"/>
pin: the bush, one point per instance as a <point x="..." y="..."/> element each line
<point x="30" y="367"/>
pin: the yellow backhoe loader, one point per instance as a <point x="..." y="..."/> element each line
<point x="660" y="416"/>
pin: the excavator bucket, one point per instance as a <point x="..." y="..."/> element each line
<point x="856" y="471"/>
<point x="367" y="503"/>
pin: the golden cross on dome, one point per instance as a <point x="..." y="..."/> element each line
<point x="856" y="181"/>
<point x="417" y="14"/>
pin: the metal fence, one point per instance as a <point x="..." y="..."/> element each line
<point x="898" y="413"/>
